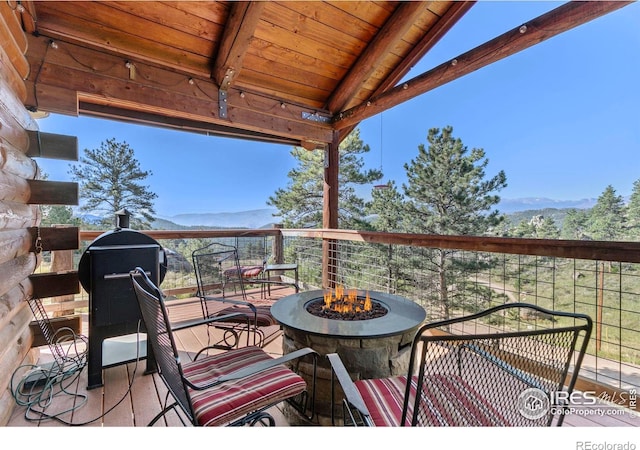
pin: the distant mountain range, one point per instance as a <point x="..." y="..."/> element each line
<point x="264" y="218"/>
<point x="510" y="205"/>
<point x="256" y="218"/>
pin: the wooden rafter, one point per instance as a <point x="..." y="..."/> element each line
<point x="388" y="36"/>
<point x="444" y="24"/>
<point x="243" y="18"/>
<point x="557" y="21"/>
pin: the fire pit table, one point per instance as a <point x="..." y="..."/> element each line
<point x="370" y="347"/>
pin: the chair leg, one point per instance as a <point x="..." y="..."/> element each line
<point x="164" y="411"/>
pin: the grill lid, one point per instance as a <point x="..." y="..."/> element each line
<point x="119" y="237"/>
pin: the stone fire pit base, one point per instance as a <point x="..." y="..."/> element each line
<point x="363" y="357"/>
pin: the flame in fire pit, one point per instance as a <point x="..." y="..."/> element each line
<point x="346" y="302"/>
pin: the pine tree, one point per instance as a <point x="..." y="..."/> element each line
<point x="633" y="213"/>
<point x="524" y="229"/>
<point x="109" y="180"/>
<point x="607" y="221"/>
<point x="58" y="215"/>
<point x="448" y="195"/>
<point x="300" y="205"/>
<point x="387" y="206"/>
<point x="447" y="190"/>
<point x="575" y="224"/>
<point x="388" y="210"/>
<point x="547" y="229"/>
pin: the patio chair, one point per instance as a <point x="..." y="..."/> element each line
<point x="233" y="388"/>
<point x="216" y="266"/>
<point x="257" y="266"/>
<point x="495" y="375"/>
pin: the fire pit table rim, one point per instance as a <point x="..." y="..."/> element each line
<point x="402" y="315"/>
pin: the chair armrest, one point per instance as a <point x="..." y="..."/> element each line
<point x="196" y="322"/>
<point x="264" y="365"/>
<point x="234" y="302"/>
<point x="352" y="395"/>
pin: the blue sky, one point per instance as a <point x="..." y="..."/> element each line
<point x="562" y="119"/>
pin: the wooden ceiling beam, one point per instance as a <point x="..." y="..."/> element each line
<point x="384" y="41"/>
<point x="557" y="21"/>
<point x="433" y="36"/>
<point x="177" y="123"/>
<point x="238" y="33"/>
<point x="95" y="77"/>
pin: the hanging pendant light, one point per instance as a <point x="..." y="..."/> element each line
<point x="387" y="185"/>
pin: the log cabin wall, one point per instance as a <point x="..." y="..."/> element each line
<point x="21" y="196"/>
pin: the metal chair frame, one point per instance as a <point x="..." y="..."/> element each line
<point x="214" y="266"/>
<point x="65" y="344"/>
<point x="502" y="370"/>
<point x="247" y="254"/>
<point x="170" y="368"/>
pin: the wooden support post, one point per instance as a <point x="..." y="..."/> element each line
<point x="330" y="211"/>
<point x="278" y="246"/>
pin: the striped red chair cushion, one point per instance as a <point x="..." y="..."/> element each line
<point x="447" y="400"/>
<point x="234" y="399"/>
<point x="246" y="271"/>
<point x="384" y="399"/>
<point x="263" y="314"/>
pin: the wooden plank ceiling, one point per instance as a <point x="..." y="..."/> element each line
<point x="272" y="71"/>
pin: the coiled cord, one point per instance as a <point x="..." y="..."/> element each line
<point x="40" y="386"/>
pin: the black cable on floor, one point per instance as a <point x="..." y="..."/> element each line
<point x="55" y="381"/>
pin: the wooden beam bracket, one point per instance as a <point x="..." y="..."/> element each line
<point x="222" y="102"/>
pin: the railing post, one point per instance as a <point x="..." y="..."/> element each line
<point x="278" y="245"/>
<point x="329" y="263"/>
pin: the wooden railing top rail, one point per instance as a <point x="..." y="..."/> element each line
<point x="90" y="235"/>
<point x="589" y="250"/>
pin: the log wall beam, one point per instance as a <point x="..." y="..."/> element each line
<point x="52" y="146"/>
<point x="43" y="192"/>
<point x="52" y="284"/>
<point x="559" y="20"/>
<point x="18" y="242"/>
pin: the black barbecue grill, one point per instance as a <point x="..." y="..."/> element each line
<point x="104" y="273"/>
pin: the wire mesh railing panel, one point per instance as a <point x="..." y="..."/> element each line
<point x="450" y="283"/>
<point x="447" y="283"/>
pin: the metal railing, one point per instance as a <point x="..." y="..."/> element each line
<point x="454" y="275"/>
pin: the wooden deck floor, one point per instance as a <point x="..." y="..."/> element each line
<point x="129" y="398"/>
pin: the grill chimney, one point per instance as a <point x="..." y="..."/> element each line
<point x="122" y="218"/>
